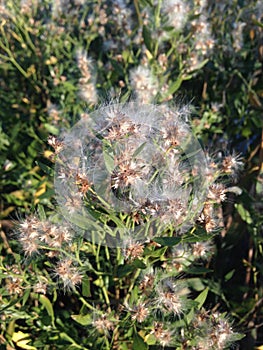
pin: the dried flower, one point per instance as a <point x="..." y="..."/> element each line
<point x="231" y="164"/>
<point x="201" y="249"/>
<point x="14" y="280"/>
<point x="55" y="143"/>
<point x="206" y="218"/>
<point x="68" y="273"/>
<point x="203" y="40"/>
<point x="103" y="324"/>
<point x="162" y="335"/>
<point x="132" y="249"/>
<point x="40" y="287"/>
<point x="170" y="296"/>
<point x="83" y="183"/>
<point x="147" y="283"/>
<point x="177" y="12"/>
<point x="29" y="234"/>
<point x="144" y="84"/>
<point x="139" y="312"/>
<point x="217" y="193"/>
<point x="87" y="88"/>
<point x="14" y="286"/>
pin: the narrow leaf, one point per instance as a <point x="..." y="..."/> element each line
<point x="202" y="298"/>
<point x="147" y="38"/>
<point x="168" y="241"/>
<point x="48" y="306"/>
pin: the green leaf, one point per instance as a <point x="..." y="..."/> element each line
<point x="150" y="339"/>
<point x="168" y="241"/>
<point x="25" y="297"/>
<point x="84" y="320"/>
<point x="238" y="336"/>
<point x="66" y="337"/>
<point x="199" y="66"/>
<point x="86" y="287"/>
<point x="147" y="38"/>
<point x="195" y="283"/>
<point x="138" y="343"/>
<point x="197" y="236"/>
<point x="155" y="253"/>
<point x="174" y="86"/>
<point x="48" y="306"/>
<point x="124" y="270"/>
<point x="139" y="264"/>
<point x="41" y="212"/>
<point x="51" y="129"/>
<point x="33" y="149"/>
<point x="202" y="298"/>
<point x="229" y="275"/>
<point x="138" y="150"/>
<point x="197" y="270"/>
<point x="46" y="169"/>
<point x="244" y="213"/>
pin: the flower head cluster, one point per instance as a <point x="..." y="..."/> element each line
<point x="69" y="274"/>
<point x="144" y="84"/>
<point x="177" y="12"/>
<point x="87" y="88"/>
<point x="35" y="234"/>
<point x="214" y="331"/>
<point x="183" y="255"/>
<point x="162" y="334"/>
<point x="139" y="159"/>
<point x="14" y="283"/>
<point x="171" y="296"/>
<point x="102" y="323"/>
<point x="132" y="249"/>
<point x="139" y="311"/>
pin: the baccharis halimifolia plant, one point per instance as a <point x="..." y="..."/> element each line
<point x="140" y="203"/>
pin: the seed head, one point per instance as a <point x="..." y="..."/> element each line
<point x="201" y="249"/>
<point x="217" y="193"/>
<point x="231" y="164"/>
<point x="169" y="296"/>
<point x="177" y="12"/>
<point x="144" y="83"/>
<point x="147" y="283"/>
<point x="103" y="324"/>
<point x="29" y="232"/>
<point x="138" y="312"/>
<point x="162" y="335"/>
<point x="133" y="250"/>
<point x="206" y="218"/>
<point x="55" y="143"/>
<point x="83" y="183"/>
<point x="68" y="273"/>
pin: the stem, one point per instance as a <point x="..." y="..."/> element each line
<point x="89" y="306"/>
<point x="136" y="275"/>
<point x="137" y="9"/>
<point x="105" y="293"/>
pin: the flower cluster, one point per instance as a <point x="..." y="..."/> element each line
<point x="141" y="160"/>
<point x="214" y="331"/>
<point x="87" y="89"/>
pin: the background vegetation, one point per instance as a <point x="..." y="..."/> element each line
<point x="58" y="61"/>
